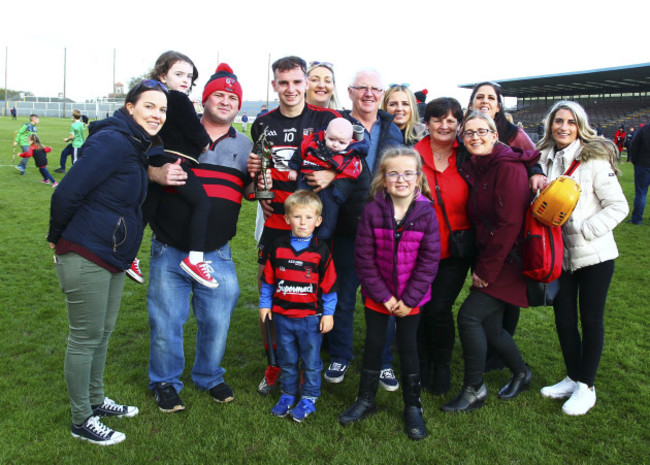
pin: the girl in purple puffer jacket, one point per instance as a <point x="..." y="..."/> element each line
<point x="396" y="256"/>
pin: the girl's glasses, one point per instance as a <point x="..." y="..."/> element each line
<point x="481" y="132"/>
<point x="408" y="176"/>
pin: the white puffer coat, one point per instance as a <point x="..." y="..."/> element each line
<point x="588" y="237"/>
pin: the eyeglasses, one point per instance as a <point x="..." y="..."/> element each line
<point x="153" y="84"/>
<point x="481" y="133"/>
<point x="399" y="85"/>
<point x="408" y="176"/>
<point x="364" y="89"/>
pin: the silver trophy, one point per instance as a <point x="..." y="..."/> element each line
<point x="263" y="148"/>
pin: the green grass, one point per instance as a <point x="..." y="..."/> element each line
<point x="34" y="411"/>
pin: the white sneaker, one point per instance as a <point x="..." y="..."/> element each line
<point x="561" y="390"/>
<point x="580" y="401"/>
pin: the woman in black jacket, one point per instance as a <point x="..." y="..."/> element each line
<point x="95" y="230"/>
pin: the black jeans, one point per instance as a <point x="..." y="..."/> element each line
<point x="436" y="331"/>
<point x="405" y="332"/>
<point x="588" y="285"/>
<point x="480" y="322"/>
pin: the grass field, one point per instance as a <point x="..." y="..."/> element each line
<point x="35" y="416"/>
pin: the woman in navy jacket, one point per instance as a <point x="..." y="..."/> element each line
<point x="95" y="230"/>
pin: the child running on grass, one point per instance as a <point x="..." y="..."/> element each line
<point x="22" y="136"/>
<point x="396" y="256"/>
<point x="39" y="152"/>
<point x="298" y="294"/>
<point x="184" y="139"/>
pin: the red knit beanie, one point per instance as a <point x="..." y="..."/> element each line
<point x="223" y="79"/>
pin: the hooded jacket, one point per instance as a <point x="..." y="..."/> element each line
<point x="97" y="205"/>
<point x="498" y="199"/>
<point x="406" y="269"/>
<point x="588" y="237"/>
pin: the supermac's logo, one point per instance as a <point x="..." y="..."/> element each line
<point x="295" y="290"/>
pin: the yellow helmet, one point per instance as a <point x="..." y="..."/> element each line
<point x="556" y="202"/>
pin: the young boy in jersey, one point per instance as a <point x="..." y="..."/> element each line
<point x="76" y="137"/>
<point x="22" y="139"/>
<point x="299" y="294"/>
<point x="331" y="149"/>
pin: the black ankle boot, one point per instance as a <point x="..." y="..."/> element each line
<point x="413" y="421"/>
<point x="364" y="405"/>
<point x="441" y="379"/>
<point x="468" y="399"/>
<point x="518" y="384"/>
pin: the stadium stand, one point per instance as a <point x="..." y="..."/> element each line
<point x="612" y="96"/>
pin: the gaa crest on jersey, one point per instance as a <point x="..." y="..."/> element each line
<point x="308" y="272"/>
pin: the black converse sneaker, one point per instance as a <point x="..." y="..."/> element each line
<point x="95" y="432"/>
<point x="110" y="408"/>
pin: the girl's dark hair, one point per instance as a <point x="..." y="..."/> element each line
<point x="167" y="60"/>
<point x="438" y="108"/>
<point x="146" y="84"/>
<point x="507" y="130"/>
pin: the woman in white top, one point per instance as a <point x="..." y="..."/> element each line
<point x="589" y="248"/>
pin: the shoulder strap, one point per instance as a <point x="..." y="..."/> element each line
<point x="572" y="168"/>
<point x="442" y="205"/>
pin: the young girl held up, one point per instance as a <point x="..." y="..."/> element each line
<point x="184" y="139"/>
<point x="39" y="152"/>
<point x="397" y="251"/>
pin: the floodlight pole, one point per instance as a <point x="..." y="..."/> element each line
<point x="6" y="101"/>
<point x="268" y="80"/>
<point x="65" y="54"/>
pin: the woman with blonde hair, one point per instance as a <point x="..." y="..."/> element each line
<point x="400" y="102"/>
<point x="321" y="85"/>
<point x="589" y="248"/>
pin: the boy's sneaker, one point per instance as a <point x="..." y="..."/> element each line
<point x="335" y="372"/>
<point x="270" y="380"/>
<point x="21" y="169"/>
<point x="60" y="170"/>
<point x="581" y="400"/>
<point x="388" y="380"/>
<point x="283" y="406"/>
<point x="54" y="185"/>
<point x="134" y="272"/>
<point x="95" y="432"/>
<point x="302" y="410"/>
<point x="201" y="272"/>
<point x="110" y="408"/>
<point x="222" y="393"/>
<point x="167" y="398"/>
<point x="45" y="181"/>
<point x="561" y="390"/>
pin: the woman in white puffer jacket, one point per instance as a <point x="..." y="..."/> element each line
<point x="589" y="248"/>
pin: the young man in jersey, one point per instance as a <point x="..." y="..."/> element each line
<point x="299" y="295"/>
<point x="284" y="128"/>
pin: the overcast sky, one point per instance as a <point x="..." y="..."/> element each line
<point x="432" y="45"/>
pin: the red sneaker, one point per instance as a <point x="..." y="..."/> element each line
<point x="201" y="272"/>
<point x="134" y="272"/>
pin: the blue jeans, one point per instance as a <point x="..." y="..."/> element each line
<point x="641" y="183"/>
<point x="23" y="161"/>
<point x="339" y="339"/>
<point x="299" y="339"/>
<point x="168" y="299"/>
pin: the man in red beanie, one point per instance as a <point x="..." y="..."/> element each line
<point x="284" y="127"/>
<point x="225" y="178"/>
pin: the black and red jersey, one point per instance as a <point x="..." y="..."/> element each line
<point x="299" y="277"/>
<point x="286" y="135"/>
<point x="347" y="164"/>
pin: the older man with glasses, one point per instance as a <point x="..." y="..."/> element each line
<point x="366" y="92"/>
